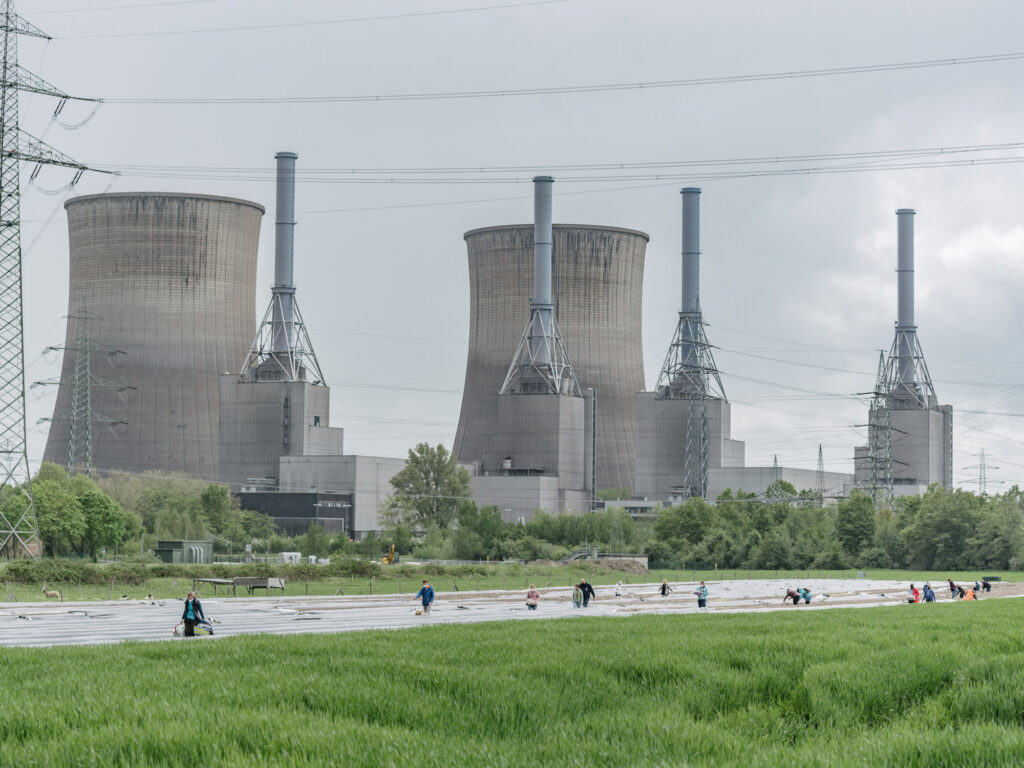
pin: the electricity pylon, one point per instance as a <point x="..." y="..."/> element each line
<point x="19" y="533"/>
<point x="83" y="380"/>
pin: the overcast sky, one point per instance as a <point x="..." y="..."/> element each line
<point x="797" y="277"/>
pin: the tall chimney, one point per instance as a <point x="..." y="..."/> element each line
<point x="284" y="254"/>
<point x="541" y="307"/>
<point x="691" y="249"/>
<point x="905" y="327"/>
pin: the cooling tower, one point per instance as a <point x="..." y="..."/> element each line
<point x="167" y="282"/>
<point x="597" y="281"/>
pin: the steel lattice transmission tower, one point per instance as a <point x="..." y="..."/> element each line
<point x="83" y="380"/>
<point x="18" y="531"/>
<point x="819" y="477"/>
<point x="880" y="456"/>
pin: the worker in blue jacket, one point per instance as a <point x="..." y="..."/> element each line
<point x="192" y="614"/>
<point x="426" y="595"/>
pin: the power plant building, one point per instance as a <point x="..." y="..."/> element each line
<point x="910" y="435"/>
<point x="162" y="300"/>
<point x="527" y="431"/>
<point x="277" y="447"/>
<point x="684" y="428"/>
<point x="597" y="280"/>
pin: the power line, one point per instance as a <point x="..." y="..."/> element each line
<point x="666" y="178"/>
<point x="323" y="22"/>
<point x="556" y="90"/>
<point x="121" y="7"/>
<point x="863" y="155"/>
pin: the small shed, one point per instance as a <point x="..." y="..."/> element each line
<point x="183" y="551"/>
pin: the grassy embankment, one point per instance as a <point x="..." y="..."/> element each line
<point x="405" y="578"/>
<point x="938" y="685"/>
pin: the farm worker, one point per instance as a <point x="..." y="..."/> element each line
<point x="532" y="598"/>
<point x="953" y="589"/>
<point x="929" y="594"/>
<point x="577" y="596"/>
<point x="618" y="589"/>
<point x="192" y="614"/>
<point x="969" y="595"/>
<point x="702" y="595"/>
<point x="915" y="596"/>
<point x="805" y="593"/>
<point x="664" y="589"/>
<point x="792" y="594"/>
<point x="977" y="587"/>
<point x="426" y="594"/>
<point x="987" y="586"/>
<point x="961" y="592"/>
<point x="588" y="592"/>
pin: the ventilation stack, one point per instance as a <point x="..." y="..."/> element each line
<point x="920" y="440"/>
<point x="278" y="404"/>
<point x="683" y="427"/>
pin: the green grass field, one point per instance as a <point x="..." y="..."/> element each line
<point x="407" y="580"/>
<point x="902" y="686"/>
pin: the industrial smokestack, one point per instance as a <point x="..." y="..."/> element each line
<point x="691" y="249"/>
<point x="540" y="303"/>
<point x="284" y="254"/>
<point x="905" y="327"/>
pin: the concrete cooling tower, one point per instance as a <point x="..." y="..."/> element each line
<point x="597" y="281"/>
<point x="161" y="301"/>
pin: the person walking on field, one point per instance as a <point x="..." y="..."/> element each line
<point x="953" y="589"/>
<point x="664" y="589"/>
<point x="929" y="594"/>
<point x="588" y="592"/>
<point x="192" y="614"/>
<point x="702" y="595"/>
<point x="577" y="596"/>
<point x="532" y="598"/>
<point x="426" y="595"/>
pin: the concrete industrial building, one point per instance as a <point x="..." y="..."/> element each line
<point x="161" y="300"/>
<point x="684" y="428"/>
<point x="910" y="436"/>
<point x="529" y="442"/>
<point x="597" y="281"/>
<point x="277" y="447"/>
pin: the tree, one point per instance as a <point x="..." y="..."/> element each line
<point x="855" y="522"/>
<point x="104" y="521"/>
<point x="58" y="515"/>
<point x="429" y="488"/>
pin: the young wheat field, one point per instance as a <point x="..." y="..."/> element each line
<point x="919" y="685"/>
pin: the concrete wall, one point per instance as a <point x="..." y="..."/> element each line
<point x="661" y="442"/>
<point x="261" y="421"/>
<point x="540" y="432"/>
<point x="521" y="497"/>
<point x="366" y="478"/>
<point x="169" y="280"/>
<point x="597" y="289"/>
<point x="757" y="480"/>
<point x="922" y="446"/>
<point x="922" y="450"/>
